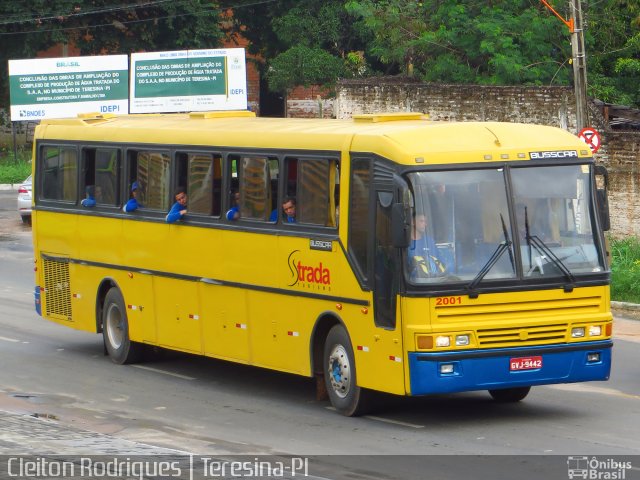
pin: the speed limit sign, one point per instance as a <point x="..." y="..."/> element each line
<point x="591" y="137"/>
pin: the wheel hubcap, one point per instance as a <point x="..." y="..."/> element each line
<point x="339" y="371"/>
<point x="115" y="326"/>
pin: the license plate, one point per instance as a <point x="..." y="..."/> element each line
<point x="525" y="363"/>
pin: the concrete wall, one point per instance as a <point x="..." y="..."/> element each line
<point x="620" y="151"/>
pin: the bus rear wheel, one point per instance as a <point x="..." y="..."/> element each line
<point x="340" y="374"/>
<point x="115" y="330"/>
<point x="509" y="395"/>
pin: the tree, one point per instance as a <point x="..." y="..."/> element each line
<point x="303" y="42"/>
<point x="102" y="27"/>
<point x="613" y="54"/>
<point x="301" y="65"/>
<point x="499" y="42"/>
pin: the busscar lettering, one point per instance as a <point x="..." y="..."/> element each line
<point x="554" y="154"/>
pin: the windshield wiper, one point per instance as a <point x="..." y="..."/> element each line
<point x="544" y="250"/>
<point x="499" y="251"/>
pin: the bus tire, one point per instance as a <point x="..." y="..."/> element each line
<point x="509" y="395"/>
<point x="340" y="374"/>
<point x="115" y="330"/>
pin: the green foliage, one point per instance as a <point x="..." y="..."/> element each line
<point x="12" y="169"/>
<point x="504" y="42"/>
<point x="625" y="270"/>
<point x="291" y="35"/>
<point x="301" y="65"/>
<point x="613" y="51"/>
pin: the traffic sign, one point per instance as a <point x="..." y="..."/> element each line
<point x="591" y="137"/>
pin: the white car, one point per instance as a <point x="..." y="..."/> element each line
<point x="24" y="200"/>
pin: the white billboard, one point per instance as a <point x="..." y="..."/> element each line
<point x="63" y="87"/>
<point x="188" y="81"/>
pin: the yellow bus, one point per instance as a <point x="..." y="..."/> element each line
<point x="424" y="257"/>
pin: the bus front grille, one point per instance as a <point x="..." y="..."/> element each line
<point x="57" y="289"/>
<point x="522" y="335"/>
<point x="521" y="319"/>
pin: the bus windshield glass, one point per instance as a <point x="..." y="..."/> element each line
<point x="464" y="228"/>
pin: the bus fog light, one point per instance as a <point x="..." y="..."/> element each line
<point x="593" y="357"/>
<point x="443" y="341"/>
<point x="595" y="330"/>
<point x="462" y="340"/>
<point x="446" y="368"/>
<point x="577" y="332"/>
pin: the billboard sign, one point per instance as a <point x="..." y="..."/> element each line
<point x="63" y="87"/>
<point x="188" y="81"/>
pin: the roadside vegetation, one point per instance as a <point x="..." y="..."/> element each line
<point x="625" y="270"/>
<point x="14" y="169"/>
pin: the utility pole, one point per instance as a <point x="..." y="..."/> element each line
<point x="578" y="59"/>
<point x="579" y="66"/>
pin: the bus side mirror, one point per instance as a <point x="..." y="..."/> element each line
<point x="602" y="198"/>
<point x="400" y="226"/>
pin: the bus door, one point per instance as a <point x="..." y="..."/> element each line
<point x="382" y="366"/>
<point x="386" y="263"/>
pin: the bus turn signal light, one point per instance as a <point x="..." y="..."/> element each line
<point x="425" y="342"/>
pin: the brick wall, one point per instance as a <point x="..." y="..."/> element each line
<point x="310" y="102"/>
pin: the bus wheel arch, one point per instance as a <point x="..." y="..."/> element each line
<point x="334" y="364"/>
<point x="323" y="324"/>
<point x="106" y="285"/>
<point x="115" y="329"/>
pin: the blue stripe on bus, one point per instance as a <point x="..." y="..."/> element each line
<point x="489" y="369"/>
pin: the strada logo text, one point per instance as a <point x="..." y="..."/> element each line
<point x="315" y="276"/>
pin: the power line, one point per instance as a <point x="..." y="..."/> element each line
<point x="136" y="6"/>
<point x="77" y="14"/>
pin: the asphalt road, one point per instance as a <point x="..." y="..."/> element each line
<point x="204" y="406"/>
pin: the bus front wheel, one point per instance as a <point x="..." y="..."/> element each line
<point x="115" y="330"/>
<point x="340" y="374"/>
<point x="510" y="395"/>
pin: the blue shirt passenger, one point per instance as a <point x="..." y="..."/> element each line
<point x="178" y="209"/>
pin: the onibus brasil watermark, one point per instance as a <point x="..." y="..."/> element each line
<point x="594" y="468"/>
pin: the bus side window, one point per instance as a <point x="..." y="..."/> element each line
<point x="199" y="172"/>
<point x="152" y="172"/>
<point x="107" y="171"/>
<point x="255" y="187"/>
<point x="60" y="173"/>
<point x="312" y="182"/>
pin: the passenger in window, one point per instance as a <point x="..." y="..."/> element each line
<point x="90" y="200"/>
<point x="424" y="260"/>
<point x="234" y="212"/>
<point x="289" y="208"/>
<point x="179" y="208"/>
<point x="133" y="203"/>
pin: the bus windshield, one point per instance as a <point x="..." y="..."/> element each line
<point x="465" y="228"/>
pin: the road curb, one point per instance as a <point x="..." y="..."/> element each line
<point x="8" y="186"/>
<point x="627" y="310"/>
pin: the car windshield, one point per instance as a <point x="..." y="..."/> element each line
<point x="464" y="229"/>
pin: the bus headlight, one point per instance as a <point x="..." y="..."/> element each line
<point x="577" y="332"/>
<point x="595" y="330"/>
<point x="443" y="341"/>
<point x="462" y="340"/>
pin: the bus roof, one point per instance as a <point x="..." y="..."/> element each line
<point x="407" y="138"/>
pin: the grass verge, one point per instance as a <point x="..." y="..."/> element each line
<point x="625" y="270"/>
<point x="12" y="169"/>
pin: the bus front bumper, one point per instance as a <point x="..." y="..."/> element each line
<point x="508" y="367"/>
